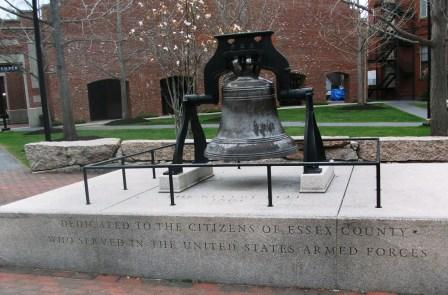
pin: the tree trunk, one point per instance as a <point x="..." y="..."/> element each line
<point x="361" y="63"/>
<point x="122" y="63"/>
<point x="61" y="73"/>
<point x="361" y="73"/>
<point x="439" y="88"/>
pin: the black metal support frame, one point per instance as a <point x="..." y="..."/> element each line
<point x="106" y="165"/>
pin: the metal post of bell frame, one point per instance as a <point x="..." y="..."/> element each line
<point x="269" y="186"/>
<point x="86" y="186"/>
<point x="153" y="162"/>
<point x="170" y="176"/>
<point x="123" y="174"/>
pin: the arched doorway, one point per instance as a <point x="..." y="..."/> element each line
<point x="337" y="85"/>
<point x="105" y="99"/>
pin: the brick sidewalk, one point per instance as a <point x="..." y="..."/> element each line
<point x="40" y="282"/>
<point x="20" y="183"/>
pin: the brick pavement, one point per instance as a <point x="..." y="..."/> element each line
<point x="39" y="282"/>
<point x="19" y="183"/>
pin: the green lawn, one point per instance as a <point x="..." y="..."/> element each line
<point x="14" y="141"/>
<point x="339" y="113"/>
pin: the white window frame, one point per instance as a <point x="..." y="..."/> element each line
<point x="423" y="11"/>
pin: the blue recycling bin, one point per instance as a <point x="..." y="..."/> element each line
<point x="337" y="94"/>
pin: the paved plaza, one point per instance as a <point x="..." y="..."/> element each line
<point x="17" y="182"/>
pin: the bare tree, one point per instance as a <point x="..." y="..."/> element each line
<point x="58" y="44"/>
<point x="104" y="26"/>
<point x="179" y="35"/>
<point x="439" y="20"/>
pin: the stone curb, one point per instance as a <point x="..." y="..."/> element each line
<point x="71" y="156"/>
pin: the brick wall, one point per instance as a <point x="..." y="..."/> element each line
<point x="297" y="37"/>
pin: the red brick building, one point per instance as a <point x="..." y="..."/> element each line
<point x="398" y="69"/>
<point x="93" y="75"/>
<point x="19" y="86"/>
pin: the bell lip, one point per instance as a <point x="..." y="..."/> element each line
<point x="252" y="156"/>
<point x="255" y="140"/>
<point x="245" y="34"/>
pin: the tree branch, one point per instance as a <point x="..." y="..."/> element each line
<point x="402" y="33"/>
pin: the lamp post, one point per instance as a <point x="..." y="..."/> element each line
<point x="3" y="112"/>
<point x="40" y="68"/>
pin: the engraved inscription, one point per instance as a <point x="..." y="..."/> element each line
<point x="298" y="238"/>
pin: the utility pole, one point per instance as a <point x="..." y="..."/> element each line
<point x="40" y="68"/>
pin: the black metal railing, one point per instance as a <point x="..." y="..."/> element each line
<point x="106" y="165"/>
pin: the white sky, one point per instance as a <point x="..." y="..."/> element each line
<point x="22" y="4"/>
<point x="19" y="3"/>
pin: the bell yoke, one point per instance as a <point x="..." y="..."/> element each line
<point x="250" y="128"/>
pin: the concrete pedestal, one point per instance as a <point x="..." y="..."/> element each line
<point x="317" y="182"/>
<point x="184" y="180"/>
<point x="222" y="230"/>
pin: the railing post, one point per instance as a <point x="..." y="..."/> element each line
<point x="269" y="187"/>
<point x="378" y="173"/>
<point x="153" y="162"/>
<point x="170" y="176"/>
<point x="123" y="174"/>
<point x="378" y="185"/>
<point x="86" y="186"/>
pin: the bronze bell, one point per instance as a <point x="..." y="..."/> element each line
<point x="250" y="128"/>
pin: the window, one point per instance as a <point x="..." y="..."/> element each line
<point x="371" y="77"/>
<point x="423" y="8"/>
<point x="424" y="59"/>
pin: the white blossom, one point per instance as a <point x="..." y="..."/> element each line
<point x="187" y="23"/>
<point x="208" y="15"/>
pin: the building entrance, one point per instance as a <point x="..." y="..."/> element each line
<point x="105" y="99"/>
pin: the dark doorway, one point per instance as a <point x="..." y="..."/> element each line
<point x="172" y="91"/>
<point x="104" y="99"/>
